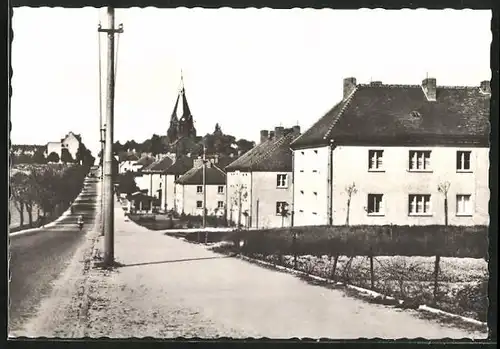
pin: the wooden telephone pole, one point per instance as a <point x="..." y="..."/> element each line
<point x="204" y="188"/>
<point x="108" y="149"/>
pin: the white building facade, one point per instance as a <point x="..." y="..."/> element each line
<point x="402" y="170"/>
<point x="260" y="183"/>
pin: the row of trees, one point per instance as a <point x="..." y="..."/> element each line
<point x="215" y="143"/>
<point x="48" y="189"/>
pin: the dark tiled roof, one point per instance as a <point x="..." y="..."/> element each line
<point x="159" y="165"/>
<point x="272" y="155"/>
<point x="401" y="114"/>
<point x="180" y="166"/>
<point x="222" y="162"/>
<point x="131" y="157"/>
<point x="145" y="161"/>
<point x="214" y="176"/>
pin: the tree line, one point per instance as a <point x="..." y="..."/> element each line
<point x="216" y="143"/>
<point x="83" y="156"/>
<point x="47" y="190"/>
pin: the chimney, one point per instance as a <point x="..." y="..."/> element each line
<point x="264" y="135"/>
<point x="271" y="134"/>
<point x="296" y="130"/>
<point x="429" y="87"/>
<point x="279" y="131"/>
<point x="485" y="87"/>
<point x="349" y="86"/>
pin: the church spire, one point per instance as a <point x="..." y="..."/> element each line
<point x="181" y="123"/>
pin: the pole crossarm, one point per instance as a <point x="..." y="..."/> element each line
<point x="118" y="30"/>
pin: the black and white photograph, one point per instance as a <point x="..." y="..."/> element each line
<point x="249" y="173"/>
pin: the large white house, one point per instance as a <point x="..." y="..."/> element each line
<point x="388" y="154"/>
<point x="190" y="190"/>
<point x="260" y="182"/>
<point x="71" y="142"/>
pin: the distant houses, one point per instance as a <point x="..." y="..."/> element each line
<point x="191" y="191"/>
<point x="129" y="164"/>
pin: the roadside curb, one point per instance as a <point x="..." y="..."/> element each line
<point x="48" y="225"/>
<point x="370" y="293"/>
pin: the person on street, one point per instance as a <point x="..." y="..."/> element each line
<point x="80" y="222"/>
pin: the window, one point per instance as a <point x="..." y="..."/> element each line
<point x="220" y="189"/>
<point x="220" y="204"/>
<point x="199" y="204"/>
<point x="199" y="189"/>
<point x="374" y="203"/>
<point x="375" y="159"/>
<point x="463" y="160"/>
<point x="280" y="206"/>
<point x="419" y="205"/>
<point x="420" y="160"/>
<point x="281" y="181"/>
<point x="463" y="205"/>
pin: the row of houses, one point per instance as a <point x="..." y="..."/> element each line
<point x="384" y="154"/>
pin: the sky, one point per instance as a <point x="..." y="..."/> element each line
<point x="246" y="69"/>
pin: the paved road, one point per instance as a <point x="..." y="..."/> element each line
<point x="38" y="258"/>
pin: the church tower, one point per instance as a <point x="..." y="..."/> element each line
<point x="181" y="121"/>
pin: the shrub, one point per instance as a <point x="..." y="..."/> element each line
<point x="451" y="241"/>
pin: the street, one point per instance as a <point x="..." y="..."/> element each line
<point x="38" y="258"/>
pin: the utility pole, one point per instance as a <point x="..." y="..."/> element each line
<point x="204" y="188"/>
<point x="108" y="150"/>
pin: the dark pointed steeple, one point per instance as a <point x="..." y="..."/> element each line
<point x="181" y="122"/>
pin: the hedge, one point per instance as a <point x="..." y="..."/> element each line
<point x="388" y="240"/>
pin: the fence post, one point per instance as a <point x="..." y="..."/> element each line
<point x="294" y="248"/>
<point x="335" y="261"/>
<point x="372" y="273"/>
<point x="436" y="277"/>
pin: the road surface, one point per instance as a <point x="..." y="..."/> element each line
<point x="38" y="258"/>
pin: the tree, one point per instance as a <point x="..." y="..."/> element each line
<point x="350" y="190"/>
<point x="443" y="188"/>
<point x="156" y="145"/>
<point x="66" y="156"/>
<point x="53" y="157"/>
<point x="126" y="183"/>
<point x="217" y="131"/>
<point x="18" y="185"/>
<point x="39" y="156"/>
<point x="240" y="196"/>
<point x="284" y="212"/>
<point x="80" y="153"/>
<point x="244" y="146"/>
